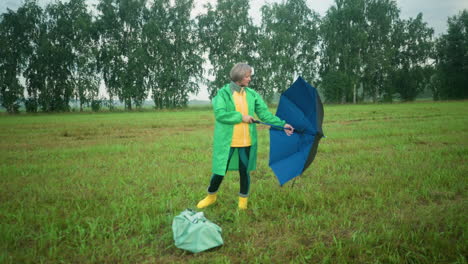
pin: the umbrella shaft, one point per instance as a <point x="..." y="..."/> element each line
<point x="300" y="131"/>
<point x="279" y="127"/>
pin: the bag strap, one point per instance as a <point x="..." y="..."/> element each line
<point x="193" y="216"/>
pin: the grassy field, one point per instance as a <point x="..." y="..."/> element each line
<point x="389" y="185"/>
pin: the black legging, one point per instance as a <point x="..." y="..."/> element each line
<point x="244" y="153"/>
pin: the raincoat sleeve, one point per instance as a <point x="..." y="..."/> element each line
<point x="261" y="109"/>
<point x="222" y="114"/>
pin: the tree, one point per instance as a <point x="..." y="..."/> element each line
<point x="288" y="46"/>
<point x="175" y="66"/>
<point x="412" y="73"/>
<point x="122" y="58"/>
<point x="380" y="54"/>
<point x="84" y="74"/>
<point x="379" y="51"/>
<point x="344" y="40"/>
<point x="451" y="79"/>
<point x="16" y="31"/>
<point x="10" y="64"/>
<point x="59" y="66"/>
<point x="333" y="85"/>
<point x="228" y="37"/>
<point x="36" y="70"/>
<point x="55" y="95"/>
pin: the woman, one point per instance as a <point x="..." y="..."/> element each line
<point x="235" y="134"/>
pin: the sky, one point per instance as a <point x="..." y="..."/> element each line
<point x="435" y="13"/>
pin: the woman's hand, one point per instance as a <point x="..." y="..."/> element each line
<point x="247" y="119"/>
<point x="288" y="129"/>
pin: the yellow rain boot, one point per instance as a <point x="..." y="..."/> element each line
<point x="209" y="200"/>
<point x="242" y="203"/>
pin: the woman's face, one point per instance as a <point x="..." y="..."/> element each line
<point x="245" y="81"/>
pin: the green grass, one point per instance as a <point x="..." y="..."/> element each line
<point x="389" y="185"/>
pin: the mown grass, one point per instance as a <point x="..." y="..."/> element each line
<point x="389" y="185"/>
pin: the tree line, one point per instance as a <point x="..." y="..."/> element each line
<point x="360" y="50"/>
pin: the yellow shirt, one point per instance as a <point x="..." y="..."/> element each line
<point x="241" y="134"/>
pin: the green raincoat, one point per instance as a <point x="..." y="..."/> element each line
<point x="226" y="117"/>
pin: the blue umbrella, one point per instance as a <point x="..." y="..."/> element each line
<point x="301" y="107"/>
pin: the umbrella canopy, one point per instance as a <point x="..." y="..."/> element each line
<point x="302" y="108"/>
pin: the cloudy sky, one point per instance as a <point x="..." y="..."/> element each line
<point x="435" y="12"/>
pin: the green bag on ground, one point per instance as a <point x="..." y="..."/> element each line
<point x="193" y="232"/>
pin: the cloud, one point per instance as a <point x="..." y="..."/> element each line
<point x="435" y="12"/>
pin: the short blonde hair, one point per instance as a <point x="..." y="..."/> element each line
<point x="239" y="71"/>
